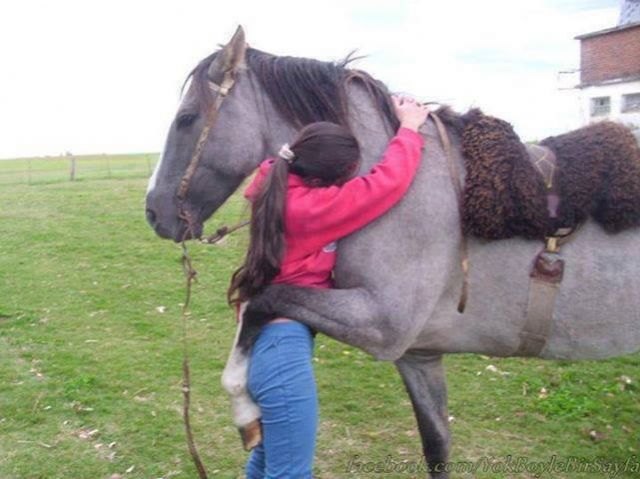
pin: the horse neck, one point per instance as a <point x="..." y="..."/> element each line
<point x="368" y="124"/>
<point x="275" y="129"/>
<point x="365" y="120"/>
<point x="373" y="132"/>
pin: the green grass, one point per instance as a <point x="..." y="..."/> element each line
<point x="90" y="369"/>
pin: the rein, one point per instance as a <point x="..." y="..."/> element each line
<point x="190" y="273"/>
<point x="224" y="231"/>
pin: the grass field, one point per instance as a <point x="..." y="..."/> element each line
<point x="90" y="364"/>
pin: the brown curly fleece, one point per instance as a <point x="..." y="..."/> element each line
<point x="504" y="196"/>
<point x="599" y="175"/>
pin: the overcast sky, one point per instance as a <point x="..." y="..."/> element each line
<point x="104" y="76"/>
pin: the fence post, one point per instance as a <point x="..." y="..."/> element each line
<point x="72" y="173"/>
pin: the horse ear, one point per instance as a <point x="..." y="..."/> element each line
<point x="231" y="57"/>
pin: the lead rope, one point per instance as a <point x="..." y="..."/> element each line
<point x="190" y="276"/>
<point x="454" y="173"/>
<point x="189" y="271"/>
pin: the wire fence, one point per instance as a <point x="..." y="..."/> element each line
<point x="76" y="168"/>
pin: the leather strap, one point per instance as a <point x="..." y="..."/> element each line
<point x="546" y="277"/>
<point x="540" y="306"/>
<point x="544" y="160"/>
<point x="454" y="174"/>
<point x="222" y="91"/>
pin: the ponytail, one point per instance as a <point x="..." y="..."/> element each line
<point x="323" y="154"/>
<point x="266" y="243"/>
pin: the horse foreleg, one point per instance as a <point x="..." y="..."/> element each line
<point x="425" y="381"/>
<point x="246" y="413"/>
<point x="352" y="316"/>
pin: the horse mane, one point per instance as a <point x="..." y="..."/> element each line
<point x="303" y="90"/>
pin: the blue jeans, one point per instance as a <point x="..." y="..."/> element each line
<point x="282" y="383"/>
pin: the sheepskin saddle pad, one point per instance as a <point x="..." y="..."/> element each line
<point x="596" y="172"/>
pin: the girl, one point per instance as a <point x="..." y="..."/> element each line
<point x="302" y="203"/>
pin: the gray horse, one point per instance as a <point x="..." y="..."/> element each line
<point x="398" y="281"/>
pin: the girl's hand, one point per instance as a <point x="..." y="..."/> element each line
<point x="410" y="113"/>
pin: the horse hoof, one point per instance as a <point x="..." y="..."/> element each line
<point x="251" y="434"/>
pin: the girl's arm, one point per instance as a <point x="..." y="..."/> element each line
<point x="252" y="190"/>
<point x="324" y="215"/>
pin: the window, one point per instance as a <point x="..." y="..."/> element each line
<point x="631" y="102"/>
<point x="600" y="106"/>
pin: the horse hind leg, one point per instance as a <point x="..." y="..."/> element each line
<point x="246" y="413"/>
<point x="425" y="382"/>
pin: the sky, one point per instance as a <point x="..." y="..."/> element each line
<point x="103" y="76"/>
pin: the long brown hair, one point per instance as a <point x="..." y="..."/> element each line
<point x="325" y="154"/>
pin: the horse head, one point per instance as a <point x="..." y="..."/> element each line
<point x="240" y="106"/>
<point x="229" y="152"/>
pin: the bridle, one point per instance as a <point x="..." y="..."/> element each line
<point x="221" y="91"/>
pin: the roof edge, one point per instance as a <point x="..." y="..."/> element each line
<point x="608" y="30"/>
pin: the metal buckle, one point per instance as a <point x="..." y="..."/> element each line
<point x="552" y="245"/>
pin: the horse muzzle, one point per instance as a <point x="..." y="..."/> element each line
<point x="172" y="221"/>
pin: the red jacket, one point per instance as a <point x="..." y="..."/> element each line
<point x="316" y="217"/>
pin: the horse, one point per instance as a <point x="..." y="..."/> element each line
<point x="398" y="280"/>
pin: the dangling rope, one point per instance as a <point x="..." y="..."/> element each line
<point x="190" y="276"/>
<point x="190" y="273"/>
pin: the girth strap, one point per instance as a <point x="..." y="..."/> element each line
<point x="543" y="289"/>
<point x="546" y="277"/>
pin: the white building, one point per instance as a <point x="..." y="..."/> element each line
<point x="610" y="70"/>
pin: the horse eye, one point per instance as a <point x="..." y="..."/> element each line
<point x="186" y="120"/>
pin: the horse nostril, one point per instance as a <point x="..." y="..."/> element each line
<point x="151" y="216"/>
